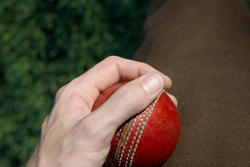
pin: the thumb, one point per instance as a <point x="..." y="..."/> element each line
<point x="128" y="101"/>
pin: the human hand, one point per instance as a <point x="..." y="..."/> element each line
<point x="74" y="136"/>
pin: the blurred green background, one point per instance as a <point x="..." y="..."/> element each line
<point x="46" y="43"/>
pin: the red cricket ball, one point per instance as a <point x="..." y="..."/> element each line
<point x="147" y="139"/>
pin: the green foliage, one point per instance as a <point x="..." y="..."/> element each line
<point x="248" y="3"/>
<point x="43" y="45"/>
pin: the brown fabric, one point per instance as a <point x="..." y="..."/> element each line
<point x="204" y="46"/>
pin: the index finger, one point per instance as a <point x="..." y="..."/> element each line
<point x="110" y="71"/>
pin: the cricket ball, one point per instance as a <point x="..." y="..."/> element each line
<point x="147" y="139"/>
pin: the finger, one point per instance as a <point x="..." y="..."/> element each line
<point x="127" y="101"/>
<point x="109" y="72"/>
<point x="173" y="98"/>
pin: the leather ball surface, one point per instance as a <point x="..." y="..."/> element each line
<point x="147" y="139"/>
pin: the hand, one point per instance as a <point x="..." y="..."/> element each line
<point x="74" y="136"/>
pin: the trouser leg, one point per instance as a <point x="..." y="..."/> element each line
<point x="204" y="46"/>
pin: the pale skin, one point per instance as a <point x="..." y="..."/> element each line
<point x="74" y="136"/>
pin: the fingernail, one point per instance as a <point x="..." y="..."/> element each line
<point x="152" y="82"/>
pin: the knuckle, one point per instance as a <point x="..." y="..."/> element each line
<point x="59" y="92"/>
<point x="112" y="59"/>
<point x="73" y="93"/>
<point x="76" y="98"/>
